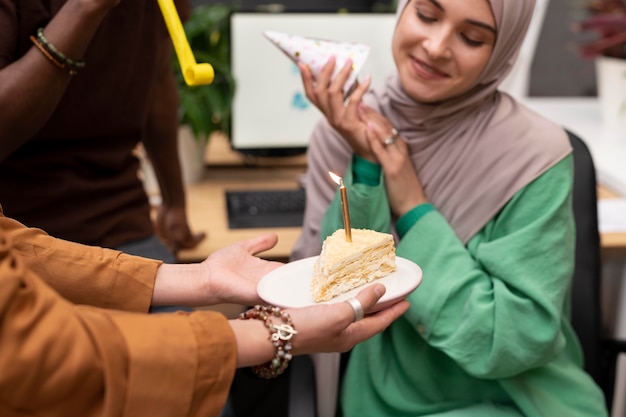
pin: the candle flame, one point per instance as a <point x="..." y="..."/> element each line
<point x="336" y="178"/>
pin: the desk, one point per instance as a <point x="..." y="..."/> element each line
<point x="206" y="208"/>
<point x="613" y="244"/>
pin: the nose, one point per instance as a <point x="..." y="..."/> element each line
<point x="437" y="44"/>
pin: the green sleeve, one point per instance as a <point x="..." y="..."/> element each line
<point x="495" y="306"/>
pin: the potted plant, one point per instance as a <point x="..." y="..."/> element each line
<point x="607" y="19"/>
<point x="205" y="109"/>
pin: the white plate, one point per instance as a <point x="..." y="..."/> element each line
<point x="288" y="286"/>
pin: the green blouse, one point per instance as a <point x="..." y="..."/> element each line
<point x="488" y="330"/>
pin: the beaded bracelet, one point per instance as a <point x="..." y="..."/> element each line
<point x="52" y="53"/>
<point x="279" y="335"/>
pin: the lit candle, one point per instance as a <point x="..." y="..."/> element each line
<point x="344" y="205"/>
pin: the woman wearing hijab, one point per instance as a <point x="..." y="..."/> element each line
<point x="477" y="189"/>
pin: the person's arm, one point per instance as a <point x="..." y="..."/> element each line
<point x="32" y="86"/>
<point x="324" y="327"/>
<point x="229" y="275"/>
<point x="161" y="145"/>
<point x="111" y="279"/>
<point x="78" y="360"/>
<point x="62" y="359"/>
<point x="84" y="274"/>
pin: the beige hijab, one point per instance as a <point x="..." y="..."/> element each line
<point x="472" y="153"/>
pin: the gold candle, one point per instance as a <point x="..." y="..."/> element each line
<point x="344" y="205"/>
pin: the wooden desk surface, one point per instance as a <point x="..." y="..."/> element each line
<point x="611" y="243"/>
<point x="207" y="204"/>
<point x="206" y="209"/>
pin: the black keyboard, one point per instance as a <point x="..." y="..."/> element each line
<point x="265" y="208"/>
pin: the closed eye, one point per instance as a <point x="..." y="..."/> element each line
<point x="472" y="42"/>
<point x="424" y="18"/>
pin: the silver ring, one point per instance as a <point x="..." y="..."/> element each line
<point x="394" y="137"/>
<point x="357" y="307"/>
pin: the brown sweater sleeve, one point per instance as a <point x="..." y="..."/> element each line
<point x="59" y="359"/>
<point x="84" y="274"/>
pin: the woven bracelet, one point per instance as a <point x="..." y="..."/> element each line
<point x="54" y="55"/>
<point x="280" y="336"/>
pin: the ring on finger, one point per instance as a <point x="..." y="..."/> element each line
<point x="394" y="137"/>
<point x="357" y="307"/>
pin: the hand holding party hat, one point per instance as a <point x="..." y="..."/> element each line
<point x="315" y="53"/>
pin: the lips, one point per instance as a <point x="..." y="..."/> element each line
<point x="426" y="71"/>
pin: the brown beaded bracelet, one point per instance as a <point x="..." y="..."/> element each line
<point x="54" y="55"/>
<point x="280" y="335"/>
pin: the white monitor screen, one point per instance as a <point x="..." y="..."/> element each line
<point x="270" y="109"/>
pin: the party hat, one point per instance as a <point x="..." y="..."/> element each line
<point x="316" y="52"/>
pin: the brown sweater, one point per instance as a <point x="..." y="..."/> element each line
<point x="77" y="178"/>
<point x="60" y="357"/>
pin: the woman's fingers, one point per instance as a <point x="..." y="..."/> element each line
<point x="355" y="99"/>
<point x="377" y="137"/>
<point x="334" y="94"/>
<point x="370" y="324"/>
<point x="327" y="92"/>
<point x="308" y="80"/>
<point x="259" y="243"/>
<point x="369" y="296"/>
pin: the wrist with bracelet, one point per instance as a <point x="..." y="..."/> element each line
<point x="280" y="336"/>
<point x="54" y="55"/>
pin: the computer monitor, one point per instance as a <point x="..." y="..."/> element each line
<point x="271" y="115"/>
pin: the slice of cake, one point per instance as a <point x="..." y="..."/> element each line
<point x="343" y="265"/>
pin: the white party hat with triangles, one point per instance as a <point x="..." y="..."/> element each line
<point x="315" y="53"/>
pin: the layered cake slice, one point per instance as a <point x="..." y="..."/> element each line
<point x="343" y="265"/>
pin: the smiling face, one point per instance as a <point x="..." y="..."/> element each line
<point x="441" y="47"/>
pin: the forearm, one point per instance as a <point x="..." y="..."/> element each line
<point x="161" y="139"/>
<point x="84" y="274"/>
<point x="31" y="87"/>
<point x="181" y="284"/>
<point x="177" y="285"/>
<point x="254" y="346"/>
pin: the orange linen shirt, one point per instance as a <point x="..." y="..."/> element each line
<point x="62" y="353"/>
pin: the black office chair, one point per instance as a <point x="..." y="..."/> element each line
<point x="586" y="314"/>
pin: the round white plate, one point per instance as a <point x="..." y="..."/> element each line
<point x="288" y="286"/>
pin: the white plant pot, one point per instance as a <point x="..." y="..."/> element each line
<point x="611" y="80"/>
<point x="191" y="155"/>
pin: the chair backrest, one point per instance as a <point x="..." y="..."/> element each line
<point x="586" y="303"/>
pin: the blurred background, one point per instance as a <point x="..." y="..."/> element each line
<point x="557" y="69"/>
